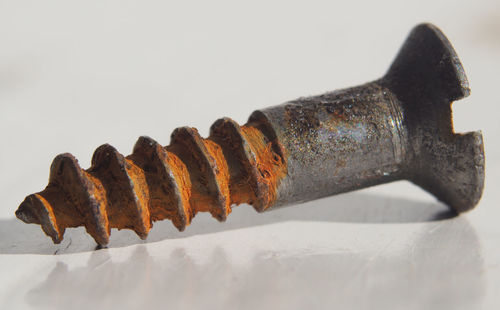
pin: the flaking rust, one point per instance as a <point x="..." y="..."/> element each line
<point x="233" y="165"/>
<point x="397" y="127"/>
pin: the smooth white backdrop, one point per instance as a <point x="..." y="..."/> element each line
<point x="74" y="75"/>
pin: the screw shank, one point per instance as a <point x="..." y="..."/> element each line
<point x="337" y="142"/>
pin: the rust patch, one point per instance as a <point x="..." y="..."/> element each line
<point x="37" y="210"/>
<point x="190" y="175"/>
<point x="50" y="213"/>
<point x="270" y="164"/>
<point x="239" y="159"/>
<point x="63" y="209"/>
<point x="181" y="175"/>
<point x="141" y="190"/>
<point x="99" y="195"/>
<point x="221" y="173"/>
<point x="199" y="199"/>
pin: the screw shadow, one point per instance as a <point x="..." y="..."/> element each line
<point x="19" y="238"/>
<point x="442" y="268"/>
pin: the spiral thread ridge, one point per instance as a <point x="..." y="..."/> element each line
<point x="233" y="165"/>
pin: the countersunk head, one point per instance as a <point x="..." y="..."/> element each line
<point x="427" y="76"/>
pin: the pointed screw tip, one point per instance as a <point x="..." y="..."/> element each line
<point x="26" y="214"/>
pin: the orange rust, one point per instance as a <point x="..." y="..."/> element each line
<point x="272" y="166"/>
<point x="50" y="213"/>
<point x="233" y="155"/>
<point x="115" y="216"/>
<point x="222" y="174"/>
<point x="181" y="175"/>
<point x="141" y="191"/>
<point x="200" y="201"/>
<point x="52" y="202"/>
<point x="199" y="198"/>
<point x="131" y="192"/>
<point x="241" y="193"/>
<point x="100" y="195"/>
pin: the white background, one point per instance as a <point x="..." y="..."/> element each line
<point x="74" y="75"/>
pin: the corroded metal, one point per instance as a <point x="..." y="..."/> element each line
<point x="397" y="127"/>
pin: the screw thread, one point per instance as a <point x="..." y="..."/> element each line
<point x="233" y="165"/>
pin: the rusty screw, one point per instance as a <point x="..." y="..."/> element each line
<point x="397" y="127"/>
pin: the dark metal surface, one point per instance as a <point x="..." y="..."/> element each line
<point x="339" y="141"/>
<point x="398" y="127"/>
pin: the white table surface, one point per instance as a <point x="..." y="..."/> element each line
<point x="74" y="75"/>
